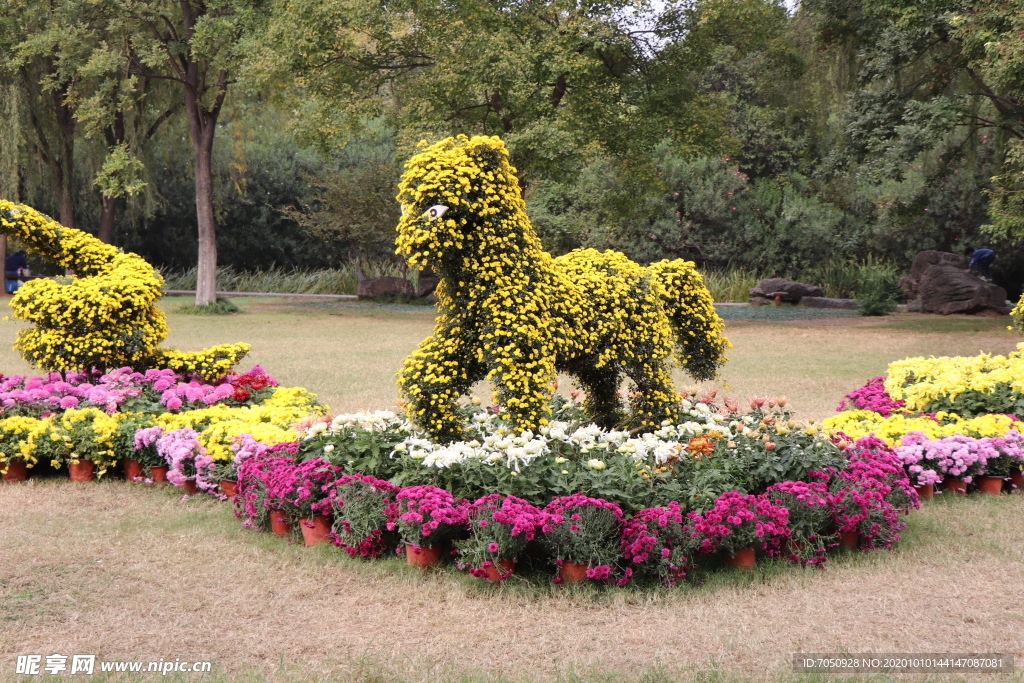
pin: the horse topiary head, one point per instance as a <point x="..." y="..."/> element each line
<point x="460" y="199"/>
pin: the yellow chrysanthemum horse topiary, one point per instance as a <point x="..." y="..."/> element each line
<point x="104" y="317"/>
<point x="513" y="314"/>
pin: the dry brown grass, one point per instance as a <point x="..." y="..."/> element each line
<point x="129" y="572"/>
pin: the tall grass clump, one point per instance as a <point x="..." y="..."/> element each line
<point x="840" y="278"/>
<point x="731" y="285"/>
<point x="340" y="280"/>
<point x="847" y="278"/>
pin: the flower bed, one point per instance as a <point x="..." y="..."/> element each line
<point x="157" y="417"/>
<point x="983" y="439"/>
<point x="966" y="385"/>
<point x="623" y="506"/>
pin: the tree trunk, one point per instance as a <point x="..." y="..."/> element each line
<point x="64" y="169"/>
<point x="206" y="277"/>
<point x="106" y="230"/>
<point x="201" y="127"/>
<point x="114" y="135"/>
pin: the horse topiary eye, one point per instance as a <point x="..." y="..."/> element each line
<point x="435" y="211"/>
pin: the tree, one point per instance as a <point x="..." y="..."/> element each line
<point x="194" y="44"/>
<point x="72" y="62"/>
<point x="30" y="55"/>
<point x="557" y="79"/>
<point x="993" y="36"/>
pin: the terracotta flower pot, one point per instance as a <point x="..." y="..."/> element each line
<point x="279" y="523"/>
<point x="132" y="469"/>
<point x="501" y="570"/>
<point x="573" y="572"/>
<point x="744" y="558"/>
<point x="925" y="491"/>
<point x="849" y="539"/>
<point x="158" y="473"/>
<point x="990" y="485"/>
<point x="315" y="529"/>
<point x="955" y="485"/>
<point x="1016" y="481"/>
<point x="83" y="470"/>
<point x="16" y="471"/>
<point x="228" y="487"/>
<point x="422" y="556"/>
<point x="190" y="486"/>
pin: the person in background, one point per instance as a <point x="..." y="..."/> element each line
<point x="981" y="259"/>
<point x="16" y="263"/>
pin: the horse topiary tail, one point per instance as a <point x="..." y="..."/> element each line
<point x="106" y="315"/>
<point x="700" y="343"/>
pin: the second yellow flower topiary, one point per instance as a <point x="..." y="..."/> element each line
<point x="105" y="314"/>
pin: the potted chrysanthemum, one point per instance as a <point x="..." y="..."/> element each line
<point x="298" y="490"/>
<point x="81" y="438"/>
<point x="738" y="522"/>
<point x="500" y="527"/>
<point x="656" y="542"/>
<point x="810" y="517"/>
<point x="583" y="535"/>
<point x="16" y="452"/>
<point x="137" y="457"/>
<point x="362" y="507"/>
<point x="427" y="517"/>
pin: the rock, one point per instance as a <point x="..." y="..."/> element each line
<point x="371" y="288"/>
<point x="922" y="262"/>
<point x="914" y="305"/>
<point x="792" y="292"/>
<point x="825" y="302"/>
<point x="947" y="289"/>
<point x="428" y="282"/>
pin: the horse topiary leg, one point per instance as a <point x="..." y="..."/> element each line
<point x="523" y="386"/>
<point x="655" y="398"/>
<point x="602" y="405"/>
<point x="432" y="379"/>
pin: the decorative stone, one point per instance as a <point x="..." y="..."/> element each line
<point x="947" y="289"/>
<point x="792" y="292"/>
<point x="825" y="302"/>
<point x="428" y="282"/>
<point x="922" y="262"/>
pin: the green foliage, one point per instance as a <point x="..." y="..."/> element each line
<point x="1000" y="398"/>
<point x="558" y="80"/>
<point x="878" y="297"/>
<point x="221" y="306"/>
<point x="868" y="127"/>
<point x="1007" y="197"/>
<point x="120" y="174"/>
<point x="354" y="204"/>
<point x="712" y="212"/>
<point x="260" y="172"/>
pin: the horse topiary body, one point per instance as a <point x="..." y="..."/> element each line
<point x="512" y="313"/>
